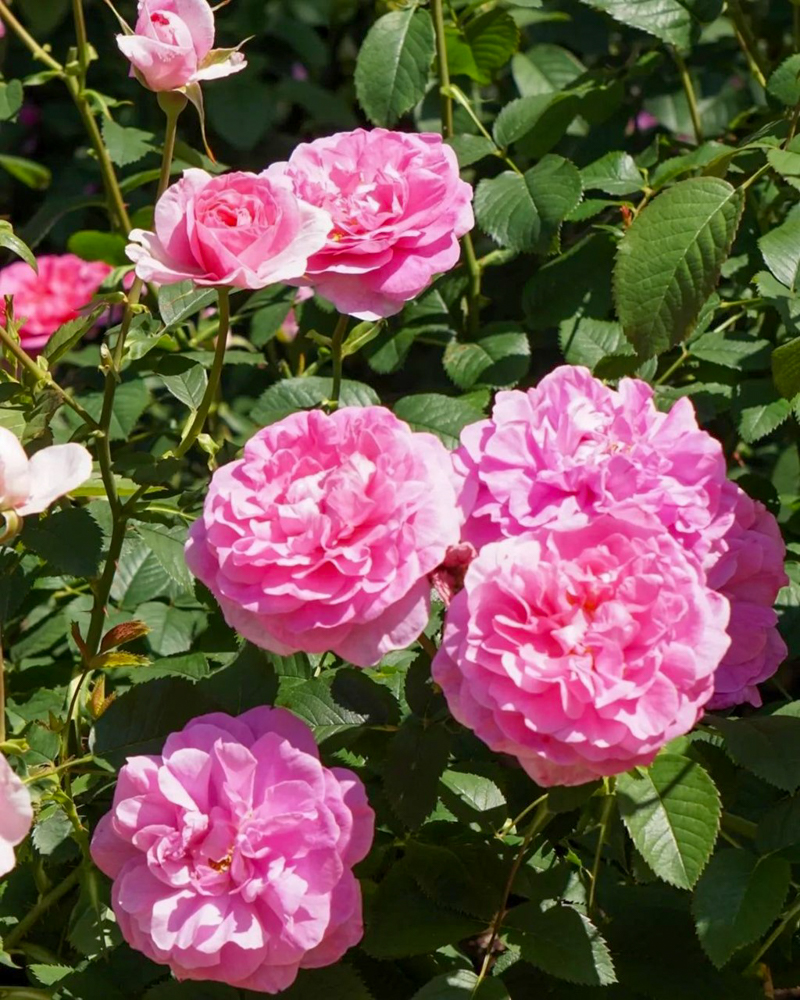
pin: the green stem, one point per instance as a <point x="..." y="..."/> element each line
<point x="605" y="816"/>
<point x="83" y="41"/>
<point x="474" y="286"/>
<point x="673" y="367"/>
<point x="52" y="771"/>
<point x="33" y="916"/>
<point x="336" y="355"/>
<point x="691" y="96"/>
<point x="748" y="43"/>
<point x="26" y="361"/>
<point x="172" y="104"/>
<point x="437" y="9"/>
<point x="214" y="375"/>
<point x="540" y="821"/>
<point x="789" y="916"/>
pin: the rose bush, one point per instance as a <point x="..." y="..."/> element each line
<point x="399" y="495"/>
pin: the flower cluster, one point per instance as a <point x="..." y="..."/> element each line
<point x="582" y="661"/>
<point x="232" y="852"/>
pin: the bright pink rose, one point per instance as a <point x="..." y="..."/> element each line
<point x="747" y="568"/>
<point x="63" y="287"/>
<point x="232" y="853"/>
<point x="30" y="485"/>
<point x="238" y="229"/>
<point x="173" y="45"/>
<point x="574" y="448"/>
<point x="323" y="535"/>
<point x="398" y="209"/>
<point x="582" y="651"/>
<point x="16" y="815"/>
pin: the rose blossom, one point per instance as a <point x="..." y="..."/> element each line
<point x="582" y="650"/>
<point x="232" y="853"/>
<point x="172" y="45"/>
<point x="747" y="568"/>
<point x="398" y="208"/>
<point x="16" y="815"/>
<point x="237" y="229"/>
<point x="572" y="447"/>
<point x="30" y="485"/>
<point x="64" y="285"/>
<point x="323" y="535"/>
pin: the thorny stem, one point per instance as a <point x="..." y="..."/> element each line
<point x="336" y="353"/>
<point x="83" y="42"/>
<point x="213" y="376"/>
<point x="691" y="96"/>
<point x="14" y="936"/>
<point x="540" y="821"/>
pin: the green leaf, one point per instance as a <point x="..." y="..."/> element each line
<point x="393" y="64"/>
<point x="337" y="982"/>
<point x="178" y="302"/>
<point x="737" y="900"/>
<point x="140" y="720"/>
<point x="767" y="745"/>
<point x="126" y="145"/>
<point x="672" y="813"/>
<point x="186" y="380"/>
<point x="68" y="336"/>
<point x="669" y="261"/>
<point x="12" y="242"/>
<point x="293" y="394"/>
<point x="758" y="409"/>
<point x="471" y="148"/>
<point x="741" y="353"/>
<point x="562" y="942"/>
<point x="614" y="173"/>
<point x="90" y="244"/>
<point x="246" y="683"/>
<point x="404" y="921"/>
<point x="11" y="97"/>
<point x="70" y="540"/>
<point x="172" y="990"/>
<point x="780" y="248"/>
<point x="545" y="69"/>
<point x="172" y="630"/>
<point x="32" y="175"/>
<point x="347" y="699"/>
<point x="483" y="46"/>
<point x="462" y="985"/>
<point x="499" y="360"/>
<point x="130" y="401"/>
<point x="452" y="881"/>
<point x="53" y="827"/>
<point x="415" y="762"/>
<point x="523" y="212"/>
<point x="191" y="666"/>
<point x="443" y="416"/>
<point x="779" y="828"/>
<point x="784" y="84"/>
<point x="786" y="368"/>
<point x="588" y="341"/>
<point x="549" y="114"/>
<point x="482" y="798"/>
<point x="673" y="21"/>
<point x="167" y="545"/>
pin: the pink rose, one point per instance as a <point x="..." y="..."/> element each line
<point x="323" y="535"/>
<point x="574" y="448"/>
<point x="232" y="853"/>
<point x="173" y="45"/>
<point x="16" y="815"/>
<point x="582" y="650"/>
<point x="746" y="566"/>
<point x="237" y="229"/>
<point x="398" y="209"/>
<point x="30" y="485"/>
<point x="63" y="287"/>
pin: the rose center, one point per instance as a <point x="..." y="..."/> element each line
<point x="160" y="20"/>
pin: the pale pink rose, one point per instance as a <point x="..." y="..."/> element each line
<point x="398" y="208"/>
<point x="290" y="327"/>
<point x="747" y="567"/>
<point x="30" y="485"/>
<point x="323" y="535"/>
<point x="63" y="287"/>
<point x="173" y="45"/>
<point x="574" y="448"/>
<point x="582" y="650"/>
<point x="232" y="852"/>
<point x="238" y="230"/>
<point x="2" y="29"/>
<point x="16" y="815"/>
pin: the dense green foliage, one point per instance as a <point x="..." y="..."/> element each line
<point x="636" y="170"/>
